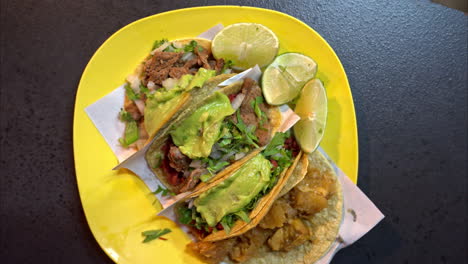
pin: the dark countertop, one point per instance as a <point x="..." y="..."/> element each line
<point x="407" y="66"/>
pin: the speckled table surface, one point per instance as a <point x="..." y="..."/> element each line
<point x="407" y="65"/>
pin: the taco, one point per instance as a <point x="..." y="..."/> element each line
<point x="218" y="132"/>
<point x="298" y="227"/>
<point x="232" y="204"/>
<point x="160" y="88"/>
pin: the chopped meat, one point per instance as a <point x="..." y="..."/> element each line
<point x="132" y="108"/>
<point x="278" y="215"/>
<point x="177" y="159"/>
<point x="247" y="245"/>
<point x="178" y="72"/>
<point x="192" y="180"/>
<point x="252" y="91"/>
<point x="189" y="64"/>
<point x="219" y="65"/>
<point x="212" y="252"/>
<point x="203" y="58"/>
<point x="171" y="173"/>
<point x="157" y="68"/>
<point x="289" y="236"/>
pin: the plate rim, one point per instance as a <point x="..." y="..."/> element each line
<point x="188" y="9"/>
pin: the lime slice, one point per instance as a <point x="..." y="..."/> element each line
<point x="245" y="44"/>
<point x="312" y="108"/>
<point x="285" y="76"/>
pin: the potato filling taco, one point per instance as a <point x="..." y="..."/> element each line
<point x="231" y="205"/>
<point x="215" y="132"/>
<point x="159" y="88"/>
<point x="298" y="227"/>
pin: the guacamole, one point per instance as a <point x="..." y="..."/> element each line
<point x="196" y="135"/>
<point x="235" y="192"/>
<point x="162" y="102"/>
<point x="159" y="106"/>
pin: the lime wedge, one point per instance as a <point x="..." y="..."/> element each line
<point x="285" y="76"/>
<point x="312" y="108"/>
<point x="245" y="44"/>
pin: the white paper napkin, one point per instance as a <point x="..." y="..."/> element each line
<point x="360" y="215"/>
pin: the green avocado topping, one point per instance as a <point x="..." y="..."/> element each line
<point x="196" y="135"/>
<point x="235" y="192"/>
<point x="161" y="102"/>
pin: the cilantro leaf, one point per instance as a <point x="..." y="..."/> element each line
<point x="159" y="43"/>
<point x="227" y="66"/>
<point x="191" y="46"/>
<point x="227" y="222"/>
<point x="145" y="91"/>
<point x="125" y="116"/>
<point x="163" y="191"/>
<point x="130" y="93"/>
<point x="218" y="166"/>
<point x="184" y="215"/>
<point x="154" y="234"/>
<point x="205" y="177"/>
<point x="131" y="134"/>
<point x="243" y="216"/>
<point x="248" y="132"/>
<point x="275" y="144"/>
<point x="172" y="48"/>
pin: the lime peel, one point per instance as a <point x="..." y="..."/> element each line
<point x="312" y="108"/>
<point x="284" y="78"/>
<point x="246" y="44"/>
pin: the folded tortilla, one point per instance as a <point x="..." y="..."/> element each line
<point x="150" y="116"/>
<point x="198" y="98"/>
<point x="266" y="239"/>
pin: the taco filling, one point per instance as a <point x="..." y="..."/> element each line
<point x="299" y="226"/>
<point x="220" y="132"/>
<point x="158" y="88"/>
<point x="236" y="197"/>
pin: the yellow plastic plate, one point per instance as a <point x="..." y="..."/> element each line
<point x="118" y="205"/>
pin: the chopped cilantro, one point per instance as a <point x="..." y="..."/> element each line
<point x="184" y="215"/>
<point x="159" y="43"/>
<point x="151" y="235"/>
<point x="227" y="66"/>
<point x="130" y="93"/>
<point x="145" y="91"/>
<point x="130" y="134"/>
<point x="276" y="143"/>
<point x="163" y="191"/>
<point x="243" y="216"/>
<point x="227" y="222"/>
<point x="247" y="131"/>
<point x="125" y="116"/>
<point x="258" y="112"/>
<point x="191" y="46"/>
<point x="171" y="48"/>
<point x="206" y="177"/>
<point x="218" y="166"/>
